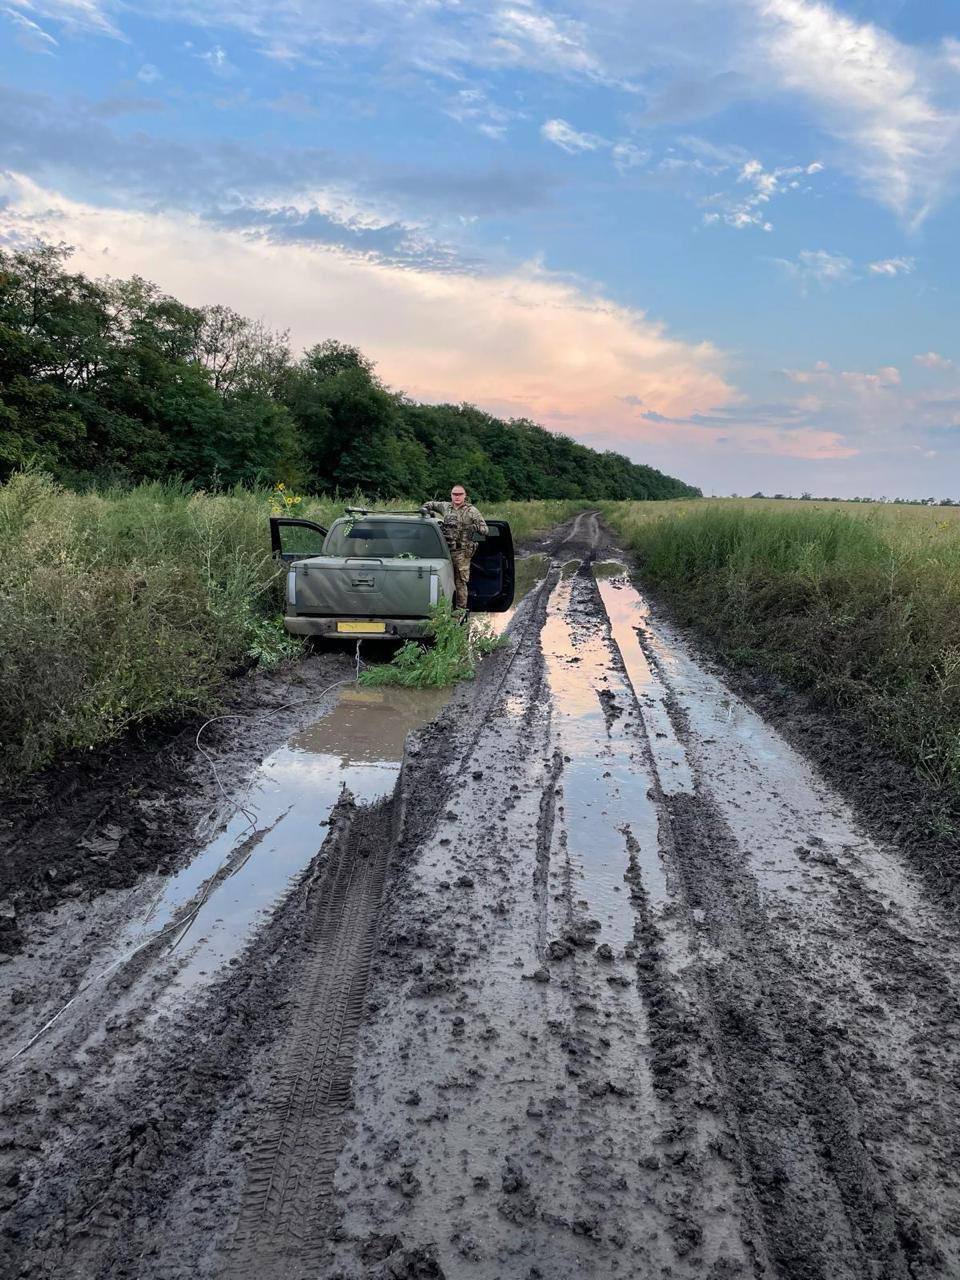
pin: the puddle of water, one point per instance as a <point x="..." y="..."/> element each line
<point x="358" y="744"/>
<point x="609" y="569"/>
<point x="530" y="572"/>
<point x="625" y="611"/>
<point x="769" y="795"/>
<point x="604" y="782"/>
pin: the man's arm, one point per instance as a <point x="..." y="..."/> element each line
<point x="429" y="508"/>
<point x="479" y="524"/>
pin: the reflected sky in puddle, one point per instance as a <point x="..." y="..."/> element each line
<point x="626" y="611"/>
<point x="604" y="782"/>
<point x="358" y="744"/>
<point x="530" y="572"/>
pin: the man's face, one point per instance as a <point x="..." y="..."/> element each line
<point x="458" y="496"/>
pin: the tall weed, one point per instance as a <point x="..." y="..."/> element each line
<point x="450" y="656"/>
<point x="125" y="605"/>
<point x="858" y="608"/>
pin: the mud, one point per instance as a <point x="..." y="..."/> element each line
<point x="591" y="973"/>
<point x="100" y="820"/>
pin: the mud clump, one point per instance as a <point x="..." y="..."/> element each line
<point x="517" y="1203"/>
<point x="418" y="1263"/>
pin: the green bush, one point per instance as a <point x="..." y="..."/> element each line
<point x="127" y="605"/>
<point x="117" y="608"/>
<point x="451" y="656"/>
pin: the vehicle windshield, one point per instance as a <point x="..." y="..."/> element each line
<point x="411" y="539"/>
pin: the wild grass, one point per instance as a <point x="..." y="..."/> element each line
<point x="120" y="607"/>
<point x="451" y="655"/>
<point x="857" y="604"/>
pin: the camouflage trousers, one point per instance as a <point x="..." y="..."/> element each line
<point x="461" y="575"/>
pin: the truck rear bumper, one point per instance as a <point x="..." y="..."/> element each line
<point x="393" y="628"/>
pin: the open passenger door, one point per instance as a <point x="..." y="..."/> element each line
<point x="295" y="539"/>
<point x="492" y="571"/>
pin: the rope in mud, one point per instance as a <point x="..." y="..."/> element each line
<point x="184" y="925"/>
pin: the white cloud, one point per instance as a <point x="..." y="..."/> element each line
<point x="29" y="34"/>
<point x="73" y="15"/>
<point x="933" y="360"/>
<point x="892" y="267"/>
<point x="741" y="211"/>
<point x="472" y="106"/>
<point x="524" y="34"/>
<point x="873" y="93"/>
<point x="822" y="375"/>
<point x="892" y="106"/>
<point x="149" y="74"/>
<point x="818" y="266"/>
<point x="217" y="60"/>
<point x="569" y="139"/>
<point x="626" y="156"/>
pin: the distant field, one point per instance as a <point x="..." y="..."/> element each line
<point x="857" y="603"/>
<point x="122" y="607"/>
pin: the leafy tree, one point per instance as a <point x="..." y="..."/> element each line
<point x="114" y="379"/>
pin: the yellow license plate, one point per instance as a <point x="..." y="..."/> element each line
<point x="362" y="628"/>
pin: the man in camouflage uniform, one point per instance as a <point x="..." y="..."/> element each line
<point x="462" y="524"/>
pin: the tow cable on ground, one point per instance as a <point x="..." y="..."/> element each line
<point x="234" y="807"/>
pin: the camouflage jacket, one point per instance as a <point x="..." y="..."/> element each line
<point x="459" y="524"/>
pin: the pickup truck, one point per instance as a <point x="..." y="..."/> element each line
<point x="378" y="574"/>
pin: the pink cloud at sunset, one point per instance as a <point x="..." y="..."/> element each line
<point x="522" y="344"/>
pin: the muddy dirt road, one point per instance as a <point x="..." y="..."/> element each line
<point x="596" y="978"/>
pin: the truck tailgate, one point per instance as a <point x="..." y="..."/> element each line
<point x="329" y="586"/>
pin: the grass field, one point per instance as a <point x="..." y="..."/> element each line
<point x="858" y="604"/>
<point x="118" y="608"/>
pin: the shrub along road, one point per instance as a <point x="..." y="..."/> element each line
<point x="609" y="982"/>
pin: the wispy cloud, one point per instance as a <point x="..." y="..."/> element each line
<point x="825" y="267"/>
<point x="933" y="360"/>
<point x="217" y="60"/>
<point x="525" y="34"/>
<point x="569" y="139"/>
<point x="72" y="15"/>
<point x="210" y="176"/>
<point x="625" y="155"/>
<point x="822" y="375"/>
<point x="892" y="267"/>
<point x="873" y="93"/>
<point x="751" y="210"/>
<point x="474" y="107"/>
<point x="29" y="35"/>
<point x="818" y="266"/>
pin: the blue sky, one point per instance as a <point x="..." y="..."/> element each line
<point x="717" y="235"/>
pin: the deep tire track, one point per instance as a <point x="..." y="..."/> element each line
<point x="290" y="1178"/>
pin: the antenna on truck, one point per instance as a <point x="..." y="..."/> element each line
<point x="366" y="511"/>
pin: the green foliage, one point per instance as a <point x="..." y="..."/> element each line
<point x="858" y="609"/>
<point x="270" y="643"/>
<point x="113" y="381"/>
<point x="122" y="607"/>
<point x="451" y="656"/>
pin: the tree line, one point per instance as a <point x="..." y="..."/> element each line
<point x="113" y="381"/>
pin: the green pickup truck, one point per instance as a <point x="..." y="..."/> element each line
<point x="378" y="574"/>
